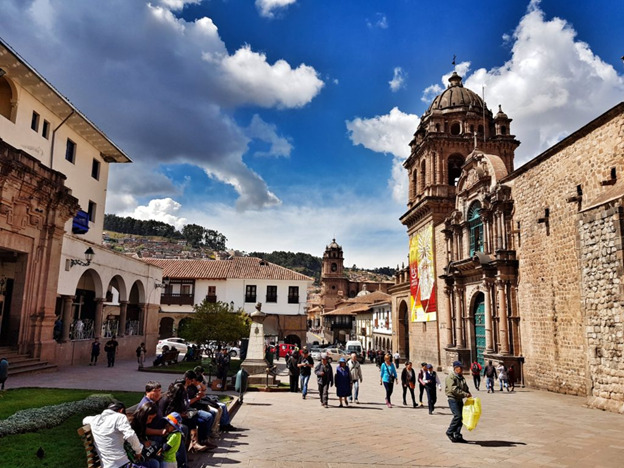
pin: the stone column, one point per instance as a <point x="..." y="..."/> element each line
<point x="489" y="344"/>
<point x="97" y="324"/>
<point x="68" y="303"/>
<point x="459" y="318"/>
<point x="502" y="314"/>
<point x="448" y="291"/>
<point x="142" y="319"/>
<point x="123" y="310"/>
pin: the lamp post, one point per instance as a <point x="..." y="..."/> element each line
<point x="89" y="254"/>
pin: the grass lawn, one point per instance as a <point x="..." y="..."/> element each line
<point x="62" y="445"/>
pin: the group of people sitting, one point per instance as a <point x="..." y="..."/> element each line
<point x="162" y="429"/>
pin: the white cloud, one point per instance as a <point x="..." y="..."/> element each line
<point x="398" y="79"/>
<point x="380" y="21"/>
<point x="173" y="80"/>
<point x="251" y="79"/>
<point x="267" y="8"/>
<point x="263" y="131"/>
<point x="165" y="210"/>
<point x="552" y="85"/>
<point x="390" y="134"/>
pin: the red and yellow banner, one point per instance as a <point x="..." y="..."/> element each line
<point x="422" y="276"/>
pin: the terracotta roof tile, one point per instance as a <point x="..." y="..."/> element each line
<point x="235" y="268"/>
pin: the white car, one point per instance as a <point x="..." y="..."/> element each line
<point x="233" y="351"/>
<point x="179" y="343"/>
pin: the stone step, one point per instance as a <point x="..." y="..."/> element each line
<point x="20" y="364"/>
<point x="32" y="369"/>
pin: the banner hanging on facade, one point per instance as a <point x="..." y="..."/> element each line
<point x="422" y="276"/>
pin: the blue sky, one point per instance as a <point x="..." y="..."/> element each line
<point x="284" y="123"/>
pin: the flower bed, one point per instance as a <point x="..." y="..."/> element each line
<point x="33" y="419"/>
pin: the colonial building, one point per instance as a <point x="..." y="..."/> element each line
<point x="59" y="287"/>
<point x="240" y="282"/>
<point x="523" y="267"/>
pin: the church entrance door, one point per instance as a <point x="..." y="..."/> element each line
<point x="479" y="327"/>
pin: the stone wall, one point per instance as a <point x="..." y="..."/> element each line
<point x="546" y="220"/>
<point x="602" y="263"/>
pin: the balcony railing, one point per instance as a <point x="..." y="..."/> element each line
<point x="250" y="298"/>
<point x="340" y="326"/>
<point x="293" y="299"/>
<point x="178" y="299"/>
<point x="271" y="298"/>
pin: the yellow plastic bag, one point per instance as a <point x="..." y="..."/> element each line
<point x="471" y="413"/>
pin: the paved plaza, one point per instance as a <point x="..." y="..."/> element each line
<point x="526" y="428"/>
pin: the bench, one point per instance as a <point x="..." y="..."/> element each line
<point x="93" y="458"/>
<point x="168" y="357"/>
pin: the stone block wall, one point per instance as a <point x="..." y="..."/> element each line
<point x="602" y="263"/>
<point x="549" y="249"/>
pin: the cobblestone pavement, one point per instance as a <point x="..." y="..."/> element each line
<point x="526" y="428"/>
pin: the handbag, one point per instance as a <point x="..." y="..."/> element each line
<point x="412" y="385"/>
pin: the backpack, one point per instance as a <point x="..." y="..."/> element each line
<point x="475" y="368"/>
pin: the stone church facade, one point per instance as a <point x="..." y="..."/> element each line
<point x="528" y="263"/>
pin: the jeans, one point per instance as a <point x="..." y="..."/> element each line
<point x="411" y="390"/>
<point x="355" y="389"/>
<point x="205" y="420"/>
<point x="304" y="384"/>
<point x="489" y="383"/>
<point x="389" y="388"/>
<point x="503" y="382"/>
<point x="111" y="359"/>
<point x="456" y="407"/>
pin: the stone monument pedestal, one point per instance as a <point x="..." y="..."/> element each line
<point x="254" y="363"/>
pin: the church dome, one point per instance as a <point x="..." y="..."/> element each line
<point x="333" y="245"/>
<point x="456" y="96"/>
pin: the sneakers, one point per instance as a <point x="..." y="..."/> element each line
<point x="326" y="405"/>
<point x="388" y="404"/>
<point x="357" y="401"/>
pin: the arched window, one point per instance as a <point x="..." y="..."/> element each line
<point x="475" y="224"/>
<point x="6" y="95"/>
<point x="455" y="163"/>
<point x="455" y="128"/>
<point x="503" y="130"/>
<point x="437" y="127"/>
<point x="423" y="175"/>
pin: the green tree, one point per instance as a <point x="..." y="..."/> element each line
<point x="194" y="234"/>
<point x="216" y="321"/>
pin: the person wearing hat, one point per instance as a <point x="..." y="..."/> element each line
<point x="174" y="440"/>
<point x="343" y="381"/>
<point x="456" y="390"/>
<point x="431" y="382"/>
<point x="325" y="378"/>
<point x="306" y="363"/>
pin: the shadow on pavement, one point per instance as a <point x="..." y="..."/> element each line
<point x="258" y="404"/>
<point x="495" y="443"/>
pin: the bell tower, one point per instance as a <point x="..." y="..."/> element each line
<point x="333" y="282"/>
<point x="333" y="260"/>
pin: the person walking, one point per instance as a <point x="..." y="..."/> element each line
<point x="325" y="378"/>
<point x="292" y="363"/>
<point x="4" y="371"/>
<point x="456" y="391"/>
<point x="432" y="383"/>
<point x="140" y="354"/>
<point x="408" y="381"/>
<point x="95" y="351"/>
<point x="421" y="386"/>
<point x="489" y="372"/>
<point x="356" y="377"/>
<point x="306" y="363"/>
<point x="511" y="377"/>
<point x="342" y="380"/>
<point x="475" y="369"/>
<point x="111" y="350"/>
<point x="397" y="358"/>
<point x="502" y="376"/>
<point x="388" y="377"/>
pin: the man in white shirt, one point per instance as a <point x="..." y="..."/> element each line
<point x="109" y="430"/>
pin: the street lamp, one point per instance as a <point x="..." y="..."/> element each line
<point x="89" y="253"/>
<point x="165" y="282"/>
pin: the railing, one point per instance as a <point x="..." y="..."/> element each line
<point x="271" y="298"/>
<point x="293" y="299"/>
<point x="340" y="326"/>
<point x="179" y="299"/>
<point x="81" y="329"/>
<point x="250" y="298"/>
<point x="133" y="327"/>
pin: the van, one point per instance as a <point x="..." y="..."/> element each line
<point x="286" y="349"/>
<point x="355" y="347"/>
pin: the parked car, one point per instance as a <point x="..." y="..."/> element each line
<point x="333" y="354"/>
<point x="179" y="343"/>
<point x="315" y="353"/>
<point x="233" y="351"/>
<point x="286" y="349"/>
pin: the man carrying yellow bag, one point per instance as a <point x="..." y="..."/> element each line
<point x="471" y="412"/>
<point x="456" y="391"/>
